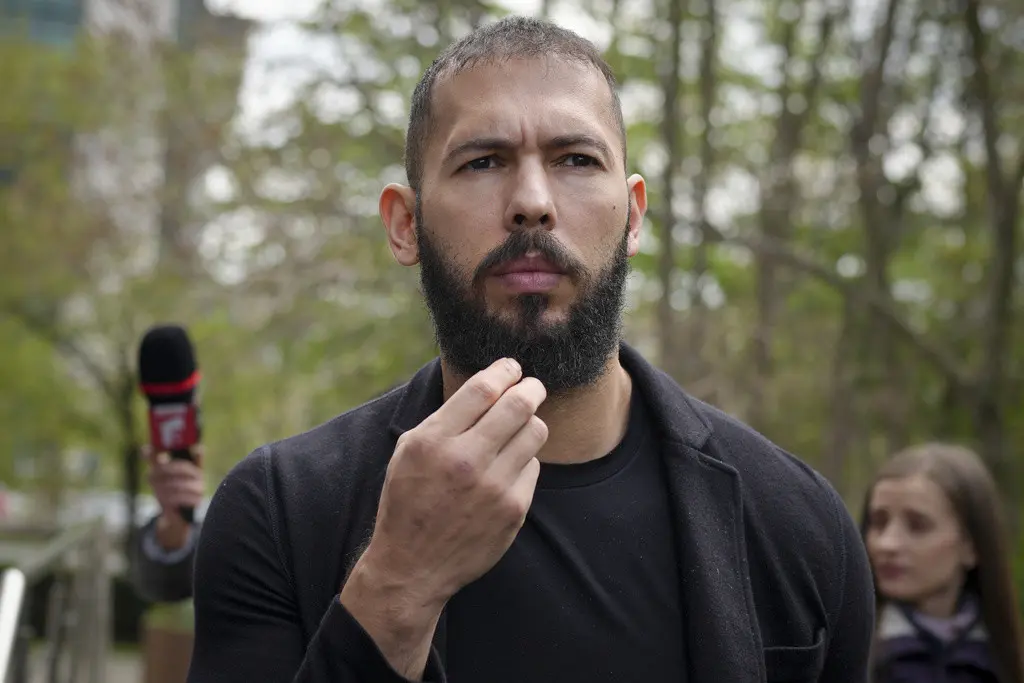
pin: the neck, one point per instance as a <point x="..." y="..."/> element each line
<point x="942" y="605"/>
<point x="582" y="425"/>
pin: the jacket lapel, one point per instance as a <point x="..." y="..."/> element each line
<point x="722" y="639"/>
<point x="723" y="642"/>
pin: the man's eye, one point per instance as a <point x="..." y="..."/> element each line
<point x="580" y="160"/>
<point x="481" y="164"/>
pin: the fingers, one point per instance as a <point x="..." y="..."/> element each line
<point x="180" y="495"/>
<point x="508" y="416"/>
<point x="157" y="458"/>
<point x="173" y="492"/>
<point x="475" y="397"/>
<point x="520" y="450"/>
<point x="176" y="482"/>
<point x="170" y="469"/>
<point x="522" y="491"/>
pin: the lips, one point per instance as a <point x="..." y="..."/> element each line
<point x="528" y="265"/>
<point x="889" y="571"/>
<point x="529" y="276"/>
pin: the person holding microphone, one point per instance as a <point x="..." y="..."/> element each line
<point x="169" y="377"/>
<point x="165" y="547"/>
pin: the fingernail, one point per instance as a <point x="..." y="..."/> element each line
<point x="513" y="366"/>
<point x="163" y="458"/>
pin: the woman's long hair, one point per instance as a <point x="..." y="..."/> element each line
<point x="969" y="486"/>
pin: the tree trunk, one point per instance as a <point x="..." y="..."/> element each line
<point x="844" y="421"/>
<point x="887" y="378"/>
<point x="669" y="350"/>
<point x="697" y="367"/>
<point x="1004" y="190"/>
<point x="779" y="198"/>
<point x="54" y="484"/>
<point x="131" y="451"/>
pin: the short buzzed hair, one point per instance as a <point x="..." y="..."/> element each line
<point x="509" y="38"/>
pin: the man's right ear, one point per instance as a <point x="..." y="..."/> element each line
<point x="397" y="208"/>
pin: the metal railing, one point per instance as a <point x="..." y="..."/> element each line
<point x="12" y="595"/>
<point x="78" y="622"/>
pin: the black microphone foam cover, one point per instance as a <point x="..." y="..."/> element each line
<point x="167" y="365"/>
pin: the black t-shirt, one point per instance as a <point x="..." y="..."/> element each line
<point x="589" y="590"/>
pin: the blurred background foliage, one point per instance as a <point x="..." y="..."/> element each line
<point x="833" y="251"/>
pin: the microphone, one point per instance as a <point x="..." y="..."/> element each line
<point x="169" y="377"/>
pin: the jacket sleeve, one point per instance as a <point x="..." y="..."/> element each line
<point x="247" y="623"/>
<point x="851" y="627"/>
<point x="159" y="576"/>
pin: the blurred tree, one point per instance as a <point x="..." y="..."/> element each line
<point x="83" y="137"/>
<point x="833" y="250"/>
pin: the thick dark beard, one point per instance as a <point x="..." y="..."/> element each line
<point x="565" y="356"/>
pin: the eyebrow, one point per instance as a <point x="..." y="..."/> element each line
<point x="487" y="144"/>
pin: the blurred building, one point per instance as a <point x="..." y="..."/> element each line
<point x="53" y="22"/>
<point x="183" y="68"/>
<point x="58" y="22"/>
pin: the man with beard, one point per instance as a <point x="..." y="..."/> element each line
<point x="538" y="504"/>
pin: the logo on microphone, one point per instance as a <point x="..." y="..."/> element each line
<point x="173" y="426"/>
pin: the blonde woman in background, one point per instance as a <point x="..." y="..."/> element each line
<point x="947" y="610"/>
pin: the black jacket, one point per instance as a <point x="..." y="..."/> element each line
<point x="775" y="581"/>
<point x="157" y="581"/>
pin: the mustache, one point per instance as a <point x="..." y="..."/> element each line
<point x="521" y="242"/>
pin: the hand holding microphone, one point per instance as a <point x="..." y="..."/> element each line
<point x="177" y="485"/>
<point x="169" y="377"/>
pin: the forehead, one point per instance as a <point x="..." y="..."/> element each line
<point x="916" y="491"/>
<point x="523" y="100"/>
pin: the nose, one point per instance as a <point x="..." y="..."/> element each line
<point x="889" y="539"/>
<point x="531" y="204"/>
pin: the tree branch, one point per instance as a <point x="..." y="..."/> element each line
<point x="986" y="103"/>
<point x="813" y="85"/>
<point x="671" y="138"/>
<point x="913" y="181"/>
<point x="701" y="183"/>
<point x="787" y="124"/>
<point x="882" y="305"/>
<point x="871" y="84"/>
<point x="63" y="344"/>
<point x="1004" y="209"/>
<point x="870" y="176"/>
